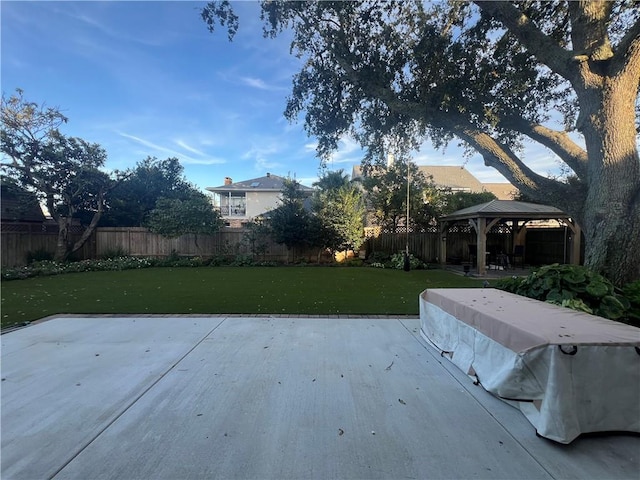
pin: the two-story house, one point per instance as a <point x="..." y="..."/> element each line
<point x="241" y="202"/>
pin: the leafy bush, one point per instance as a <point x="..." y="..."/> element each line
<point x="242" y="261"/>
<point x="397" y="262"/>
<point x="48" y="267"/>
<point x="631" y="292"/>
<point x="39" y="255"/>
<point x="219" y="260"/>
<point x="378" y="258"/>
<point x="578" y="288"/>
<point x="354" y="262"/>
<point x="116" y="252"/>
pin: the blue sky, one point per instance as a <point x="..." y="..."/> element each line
<point x="148" y="79"/>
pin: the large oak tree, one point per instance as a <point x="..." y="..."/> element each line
<point x="493" y="74"/>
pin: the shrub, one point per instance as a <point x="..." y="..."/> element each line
<point x="578" y="288"/>
<point x="377" y="265"/>
<point x="39" y="255"/>
<point x="218" y="261"/>
<point x="354" y="262"/>
<point x="48" y="267"/>
<point x="397" y="262"/>
<point x="631" y="292"/>
<point x="378" y="258"/>
<point x="116" y="252"/>
<point x="243" y="261"/>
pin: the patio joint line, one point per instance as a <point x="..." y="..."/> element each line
<point x="135" y="400"/>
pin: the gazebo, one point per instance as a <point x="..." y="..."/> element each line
<point x="511" y="213"/>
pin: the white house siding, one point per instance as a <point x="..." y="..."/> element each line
<point x="260" y="202"/>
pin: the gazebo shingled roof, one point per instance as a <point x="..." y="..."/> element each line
<point x="507" y="209"/>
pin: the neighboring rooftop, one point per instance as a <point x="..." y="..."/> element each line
<point x="268" y="183"/>
<point x="18" y="205"/>
<point x="457" y="178"/>
<point x="453" y="177"/>
<point x="502" y="191"/>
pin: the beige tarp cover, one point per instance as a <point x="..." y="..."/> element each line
<point x="569" y="372"/>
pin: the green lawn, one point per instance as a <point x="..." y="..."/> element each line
<point x="261" y="290"/>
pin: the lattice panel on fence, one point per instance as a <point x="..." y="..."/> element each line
<point x="460" y="228"/>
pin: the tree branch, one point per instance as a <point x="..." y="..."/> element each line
<point x="92" y="225"/>
<point x="627" y="56"/>
<point x="503" y="159"/>
<point x="545" y="49"/>
<point x="558" y="142"/>
<point x="632" y="36"/>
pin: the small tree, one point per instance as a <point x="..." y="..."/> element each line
<point x="64" y="172"/>
<point x="173" y="217"/>
<point x="386" y="189"/>
<point x="339" y="208"/>
<point x="290" y="222"/>
<point x="256" y="236"/>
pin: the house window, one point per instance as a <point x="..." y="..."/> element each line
<point x="233" y="205"/>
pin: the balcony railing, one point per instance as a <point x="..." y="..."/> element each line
<point x="232" y="211"/>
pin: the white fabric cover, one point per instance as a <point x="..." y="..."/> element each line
<point x="568" y="372"/>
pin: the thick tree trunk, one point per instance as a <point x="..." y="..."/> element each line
<point x="63" y="249"/>
<point x="612" y="208"/>
<point x="606" y="83"/>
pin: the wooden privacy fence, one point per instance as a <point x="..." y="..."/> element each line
<point x="422" y="245"/>
<point x="543" y="245"/>
<point x="228" y="243"/>
<point x="19" y="241"/>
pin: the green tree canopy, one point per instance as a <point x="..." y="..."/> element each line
<point x="386" y="193"/>
<point x="494" y="74"/>
<point x="133" y="199"/>
<point x="455" y="201"/>
<point x="339" y="208"/>
<point x="193" y="214"/>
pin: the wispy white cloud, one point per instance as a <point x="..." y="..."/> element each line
<point x="145" y="37"/>
<point x="260" y="84"/>
<point x="255" y="83"/>
<point x="207" y="160"/>
<point x="261" y="164"/>
<point x="189" y="148"/>
<point x="263" y="153"/>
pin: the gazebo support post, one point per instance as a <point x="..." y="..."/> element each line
<point x="442" y="244"/>
<point x="481" y="235"/>
<point x="479" y="225"/>
<point x="482" y="227"/>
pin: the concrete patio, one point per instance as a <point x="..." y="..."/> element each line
<point x="257" y="397"/>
